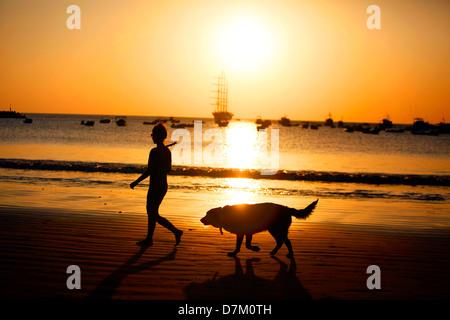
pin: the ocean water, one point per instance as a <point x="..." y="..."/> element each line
<point x="61" y="137"/>
<point x="391" y="181"/>
<point x="397" y="166"/>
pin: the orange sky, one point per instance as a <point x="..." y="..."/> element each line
<point x="302" y="59"/>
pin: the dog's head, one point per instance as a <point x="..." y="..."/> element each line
<point x="213" y="218"/>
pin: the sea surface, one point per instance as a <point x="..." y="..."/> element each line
<point x="56" y="150"/>
<point x="63" y="138"/>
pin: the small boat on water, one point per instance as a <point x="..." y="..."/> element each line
<point x="11" y="114"/>
<point x="121" y="121"/>
<point x="89" y="123"/>
<point x="329" y="121"/>
<point x="28" y="120"/>
<point x="105" y="120"/>
<point x="264" y="124"/>
<point x="386" y="123"/>
<point x="422" y="128"/>
<point x="285" y="122"/>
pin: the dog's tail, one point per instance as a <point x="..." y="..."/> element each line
<point x="304" y="213"/>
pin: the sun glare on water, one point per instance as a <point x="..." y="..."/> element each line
<point x="241" y="146"/>
<point x="240" y="190"/>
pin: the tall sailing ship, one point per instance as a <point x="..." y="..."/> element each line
<point x="221" y="113"/>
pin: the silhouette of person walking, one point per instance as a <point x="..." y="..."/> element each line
<point x="159" y="165"/>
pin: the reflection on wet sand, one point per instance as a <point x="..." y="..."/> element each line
<point x="240" y="285"/>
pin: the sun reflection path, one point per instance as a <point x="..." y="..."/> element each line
<point x="241" y="190"/>
<point x="243" y="146"/>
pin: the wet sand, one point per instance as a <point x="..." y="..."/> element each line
<point x="38" y="243"/>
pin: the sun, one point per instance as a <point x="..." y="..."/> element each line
<point x="245" y="43"/>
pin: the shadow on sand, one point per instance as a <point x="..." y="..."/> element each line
<point x="240" y="285"/>
<point x="107" y="287"/>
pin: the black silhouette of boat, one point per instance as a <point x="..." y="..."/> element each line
<point x="329" y="121"/>
<point x="121" y="121"/>
<point x="420" y="127"/>
<point x="11" y="114"/>
<point x="386" y="124"/>
<point x="285" y="122"/>
<point x="264" y="124"/>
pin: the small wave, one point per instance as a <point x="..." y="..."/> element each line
<point x="342" y="177"/>
<point x="324" y="193"/>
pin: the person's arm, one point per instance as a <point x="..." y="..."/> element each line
<point x="142" y="177"/>
<point x="170" y="162"/>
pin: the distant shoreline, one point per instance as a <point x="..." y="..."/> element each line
<point x="101" y="115"/>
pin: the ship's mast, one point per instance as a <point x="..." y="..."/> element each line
<point x="221" y="105"/>
<point x="222" y="89"/>
<point x="221" y="92"/>
<point x="218" y="96"/>
<point x="226" y="98"/>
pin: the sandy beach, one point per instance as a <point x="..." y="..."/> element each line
<point x="97" y="231"/>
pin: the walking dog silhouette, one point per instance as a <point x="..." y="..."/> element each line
<point x="248" y="219"/>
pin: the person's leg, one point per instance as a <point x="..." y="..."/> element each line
<point x="148" y="241"/>
<point x="154" y="199"/>
<point x="168" y="225"/>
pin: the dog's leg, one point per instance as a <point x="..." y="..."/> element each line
<point x="248" y="243"/>
<point x="277" y="247"/>
<point x="279" y="238"/>
<point x="287" y="242"/>
<point x="239" y="239"/>
<point x="279" y="244"/>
